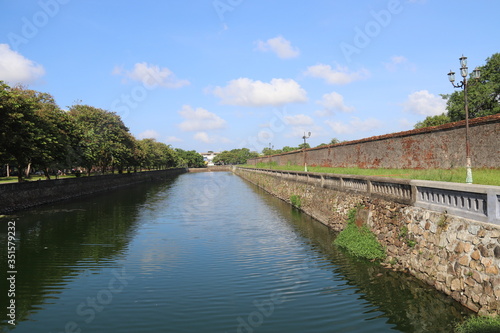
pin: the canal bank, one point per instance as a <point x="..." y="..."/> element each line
<point x="173" y="255"/>
<point x="18" y="196"/>
<point x="443" y="234"/>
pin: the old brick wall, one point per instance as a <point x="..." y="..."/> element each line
<point x="16" y="196"/>
<point x="440" y="147"/>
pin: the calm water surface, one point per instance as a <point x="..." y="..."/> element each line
<point x="204" y="252"/>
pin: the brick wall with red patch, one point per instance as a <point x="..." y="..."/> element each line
<point x="441" y="147"/>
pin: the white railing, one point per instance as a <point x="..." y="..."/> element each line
<point x="477" y="202"/>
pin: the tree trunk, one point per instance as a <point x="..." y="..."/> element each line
<point x="28" y="169"/>
<point x="46" y="173"/>
<point x="8" y="170"/>
<point x="20" y="171"/>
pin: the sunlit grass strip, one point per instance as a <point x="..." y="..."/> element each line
<point x="359" y="241"/>
<point x="5" y="180"/>
<point x="480" y="176"/>
<point x="479" y="325"/>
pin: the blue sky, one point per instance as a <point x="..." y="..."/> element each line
<point x="223" y="74"/>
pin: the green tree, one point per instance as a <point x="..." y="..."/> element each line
<point x="286" y="149"/>
<point x="333" y="141"/>
<point x="105" y="141"/>
<point x="433" y="121"/>
<point x="269" y="151"/>
<point x="20" y="130"/>
<point x="235" y="156"/>
<point x="54" y="147"/>
<point x="190" y="158"/>
<point x="483" y="96"/>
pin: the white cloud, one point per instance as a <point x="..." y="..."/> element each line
<point x="247" y="92"/>
<point x="204" y="137"/>
<point x="300" y="119"/>
<point x="149" y="134"/>
<point x="151" y="76"/>
<point x="14" y="68"/>
<point x="356" y="125"/>
<point x="172" y="139"/>
<point x="339" y="75"/>
<point x="300" y="124"/>
<point x="398" y="62"/>
<point x="333" y="102"/>
<point x="200" y="119"/>
<point x="405" y="123"/>
<point x="298" y="131"/>
<point x="424" y="103"/>
<point x="279" y="45"/>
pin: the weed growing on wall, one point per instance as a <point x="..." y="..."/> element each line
<point x="443" y="222"/>
<point x="295" y="200"/>
<point x="359" y="241"/>
<point x="405" y="236"/>
<point x="479" y="325"/>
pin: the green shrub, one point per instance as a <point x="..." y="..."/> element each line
<point x="359" y="241"/>
<point x="479" y="325"/>
<point x="295" y="200"/>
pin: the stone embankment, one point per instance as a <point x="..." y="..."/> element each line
<point x="428" y="229"/>
<point x="213" y="168"/>
<point x="17" y="196"/>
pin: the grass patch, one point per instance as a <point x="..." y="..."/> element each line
<point x="360" y="242"/>
<point x="480" y="176"/>
<point x="8" y="179"/>
<point x="33" y="178"/>
<point x="295" y="200"/>
<point x="479" y="325"/>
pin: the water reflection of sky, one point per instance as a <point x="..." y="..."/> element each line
<point x="201" y="252"/>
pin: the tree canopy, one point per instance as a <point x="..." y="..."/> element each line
<point x="190" y="158"/>
<point x="235" y="156"/>
<point x="33" y="130"/>
<point x="36" y="133"/>
<point x="483" y="97"/>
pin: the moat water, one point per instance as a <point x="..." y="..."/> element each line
<point x="202" y="252"/>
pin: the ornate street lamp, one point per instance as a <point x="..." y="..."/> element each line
<point x="476" y="73"/>
<point x="305" y="137"/>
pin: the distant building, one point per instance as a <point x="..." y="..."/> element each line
<point x="208" y="157"/>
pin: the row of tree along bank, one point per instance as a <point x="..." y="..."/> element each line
<point x="35" y="134"/>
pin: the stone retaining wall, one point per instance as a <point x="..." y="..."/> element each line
<point x="213" y="168"/>
<point x="458" y="256"/>
<point x="16" y="196"/>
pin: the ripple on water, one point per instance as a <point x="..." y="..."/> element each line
<point x="206" y="253"/>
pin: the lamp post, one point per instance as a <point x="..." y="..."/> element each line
<point x="305" y="137"/>
<point x="476" y="73"/>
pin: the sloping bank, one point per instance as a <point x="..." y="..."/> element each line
<point x="17" y="196"/>
<point x="445" y="234"/>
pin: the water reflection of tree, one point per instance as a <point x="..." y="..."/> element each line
<point x="59" y="242"/>
<point x="407" y="303"/>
